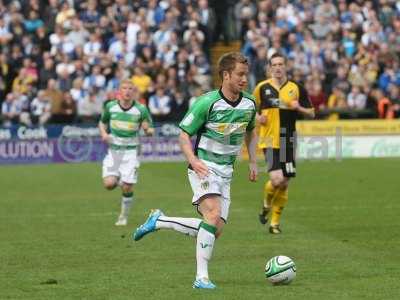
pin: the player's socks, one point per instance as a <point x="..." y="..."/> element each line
<point x="279" y="203"/>
<point x="189" y="226"/>
<point x="126" y="203"/>
<point x="269" y="194"/>
<point x="204" y="248"/>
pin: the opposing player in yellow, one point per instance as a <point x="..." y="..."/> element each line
<point x="279" y="101"/>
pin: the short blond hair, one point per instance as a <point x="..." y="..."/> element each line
<point x="126" y="81"/>
<point x="228" y="61"/>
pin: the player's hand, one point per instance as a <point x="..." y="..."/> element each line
<point x="149" y="131"/>
<point x="199" y="167"/>
<point x="253" y="171"/>
<point x="145" y="125"/>
<point x="295" y="105"/>
<point x="106" y="138"/>
<point x="261" y="119"/>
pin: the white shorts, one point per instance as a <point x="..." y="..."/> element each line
<point x="122" y="164"/>
<point x="212" y="184"/>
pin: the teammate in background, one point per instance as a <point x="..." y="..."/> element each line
<point x="123" y="118"/>
<point x="221" y="119"/>
<point x="279" y="101"/>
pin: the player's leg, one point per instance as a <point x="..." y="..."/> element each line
<point x="189" y="226"/>
<point x="280" y="200"/>
<point x="126" y="203"/>
<point x="215" y="211"/>
<point x="270" y="190"/>
<point x="287" y="170"/>
<point x="210" y="208"/>
<point x="110" y="182"/>
<point x="110" y="171"/>
<point x="157" y="220"/>
<point x="128" y="168"/>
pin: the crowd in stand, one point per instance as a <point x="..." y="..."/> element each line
<point x="60" y="60"/>
<point x="346" y="53"/>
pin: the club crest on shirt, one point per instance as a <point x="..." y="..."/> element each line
<point x="219" y="116"/>
<point x="205" y="185"/>
<point x="267" y="92"/>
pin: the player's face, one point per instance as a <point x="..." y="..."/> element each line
<point x="237" y="79"/>
<point x="278" y="68"/>
<point x="128" y="91"/>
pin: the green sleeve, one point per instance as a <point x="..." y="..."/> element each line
<point x="105" y="116"/>
<point x="146" y="116"/>
<point x="196" y="117"/>
<point x="252" y="122"/>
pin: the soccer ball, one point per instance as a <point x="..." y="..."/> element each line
<point x="280" y="270"/>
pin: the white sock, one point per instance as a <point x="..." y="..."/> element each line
<point x="126" y="204"/>
<point x="189" y="226"/>
<point x="204" y="248"/>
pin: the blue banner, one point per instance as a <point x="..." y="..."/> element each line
<point x="62" y="144"/>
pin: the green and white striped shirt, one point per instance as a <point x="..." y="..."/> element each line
<point x="124" y="123"/>
<point x="220" y="126"/>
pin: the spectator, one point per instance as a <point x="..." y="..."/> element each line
<point x="207" y="19"/>
<point x="245" y="10"/>
<point x="78" y="35"/>
<point x="68" y="109"/>
<point x="160" y="105"/>
<point x="93" y="48"/>
<point x="89" y="108"/>
<point x="95" y="79"/>
<point x="141" y="80"/>
<point x="33" y="23"/>
<point x="336" y="102"/>
<point x="65" y="16"/>
<point x="356" y="99"/>
<point x="316" y="95"/>
<point x="40" y="109"/>
<point x="5" y="75"/>
<point x="385" y="106"/>
<point x="394" y="96"/>
<point x="54" y="97"/>
<point x="5" y="34"/>
<point x="10" y="111"/>
<point x="78" y="93"/>
<point x="193" y="33"/>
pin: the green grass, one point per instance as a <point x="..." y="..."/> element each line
<point x="341" y="227"/>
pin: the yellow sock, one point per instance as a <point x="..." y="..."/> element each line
<point x="269" y="193"/>
<point x="279" y="203"/>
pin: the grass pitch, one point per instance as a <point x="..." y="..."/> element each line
<point x="58" y="239"/>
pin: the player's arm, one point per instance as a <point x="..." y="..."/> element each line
<point x="251" y="141"/>
<point x="186" y="145"/>
<point x="193" y="121"/>
<point x="259" y="117"/>
<point x="103" y="124"/>
<point x="147" y="123"/>
<point x="304" y="105"/>
<point x="251" y="144"/>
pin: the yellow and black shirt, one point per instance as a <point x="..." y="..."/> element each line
<point x="275" y="103"/>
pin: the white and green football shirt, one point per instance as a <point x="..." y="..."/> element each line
<point x="124" y="123"/>
<point x="220" y="126"/>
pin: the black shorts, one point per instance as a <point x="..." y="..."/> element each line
<point x="279" y="159"/>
